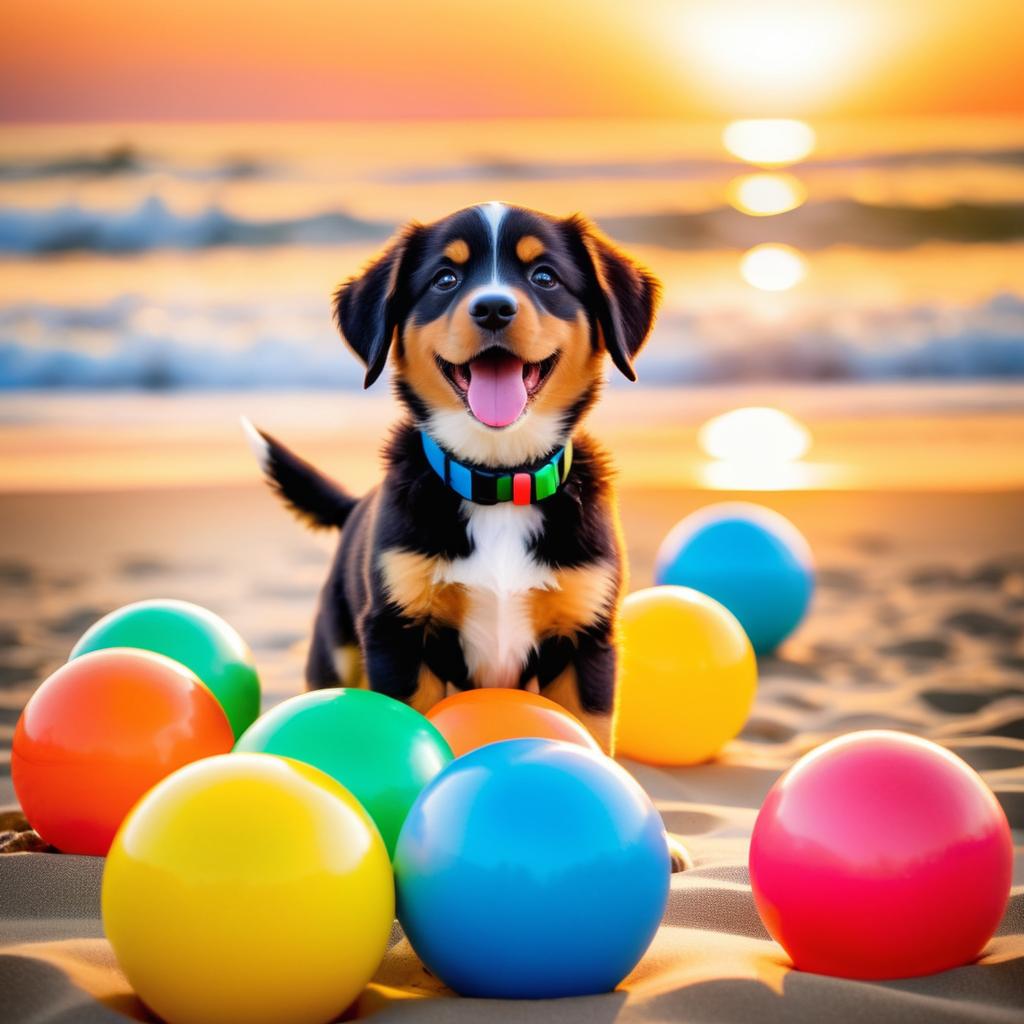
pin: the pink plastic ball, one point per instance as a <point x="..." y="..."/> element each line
<point x="881" y="855"/>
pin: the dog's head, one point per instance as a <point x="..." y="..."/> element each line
<point x="499" y="319"/>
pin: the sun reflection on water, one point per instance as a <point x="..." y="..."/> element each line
<point x="757" y="433"/>
<point x="788" y="476"/>
<point x="772" y="267"/>
<point x="764" y="195"/>
<point x="769" y="142"/>
<point x="758" y="448"/>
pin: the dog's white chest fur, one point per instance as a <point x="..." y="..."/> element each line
<point x="497" y="631"/>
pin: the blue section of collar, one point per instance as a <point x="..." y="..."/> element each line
<point x="492" y="487"/>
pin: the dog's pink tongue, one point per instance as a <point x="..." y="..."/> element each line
<point x="497" y="393"/>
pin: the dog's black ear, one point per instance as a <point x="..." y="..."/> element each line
<point x="368" y="308"/>
<point x="626" y="294"/>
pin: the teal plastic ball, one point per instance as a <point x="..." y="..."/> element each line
<point x="750" y="559"/>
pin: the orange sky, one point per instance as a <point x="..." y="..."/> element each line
<point x="316" y="59"/>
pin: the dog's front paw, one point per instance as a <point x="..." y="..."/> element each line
<point x="18" y="836"/>
<point x="679" y="855"/>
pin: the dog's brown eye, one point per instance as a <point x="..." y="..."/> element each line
<point x="544" y="277"/>
<point x="445" y="280"/>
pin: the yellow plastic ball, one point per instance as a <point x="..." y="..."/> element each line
<point x="687" y="677"/>
<point x="248" y="887"/>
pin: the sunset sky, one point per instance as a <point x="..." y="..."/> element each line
<point x="69" y="60"/>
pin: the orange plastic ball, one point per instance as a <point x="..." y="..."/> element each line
<point x="470" y="719"/>
<point x="99" y="733"/>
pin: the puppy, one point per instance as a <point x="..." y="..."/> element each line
<point x="490" y="554"/>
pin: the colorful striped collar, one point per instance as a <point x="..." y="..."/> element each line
<point x="490" y="487"/>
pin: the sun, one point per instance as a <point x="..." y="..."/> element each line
<point x="759" y="56"/>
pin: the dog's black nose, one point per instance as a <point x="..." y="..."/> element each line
<point x="493" y="310"/>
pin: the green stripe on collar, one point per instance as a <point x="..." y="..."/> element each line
<point x="487" y="487"/>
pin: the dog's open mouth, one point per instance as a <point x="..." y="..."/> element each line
<point x="496" y="386"/>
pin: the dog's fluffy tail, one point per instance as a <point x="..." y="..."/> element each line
<point x="314" y="498"/>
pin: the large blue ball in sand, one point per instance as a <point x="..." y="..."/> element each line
<point x="747" y="557"/>
<point x="531" y="869"/>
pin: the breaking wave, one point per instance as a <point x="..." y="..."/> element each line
<point x="154" y="225"/>
<point x="131" y="344"/>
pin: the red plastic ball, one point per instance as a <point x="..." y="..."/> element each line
<point x="99" y="733"/>
<point x="881" y="855"/>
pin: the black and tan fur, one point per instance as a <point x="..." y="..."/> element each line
<point x="428" y="592"/>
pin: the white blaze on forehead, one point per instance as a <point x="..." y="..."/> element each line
<point x="493" y="214"/>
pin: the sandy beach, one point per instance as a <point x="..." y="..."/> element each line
<point x="917" y="624"/>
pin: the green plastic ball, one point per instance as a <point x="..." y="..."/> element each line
<point x="382" y="751"/>
<point x="197" y="639"/>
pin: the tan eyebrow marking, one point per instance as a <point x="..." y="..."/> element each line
<point x="529" y="247"/>
<point x="457" y="250"/>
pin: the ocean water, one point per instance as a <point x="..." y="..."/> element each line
<point x="188" y="257"/>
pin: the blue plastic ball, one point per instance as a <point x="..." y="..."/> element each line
<point x="531" y="869"/>
<point x="749" y="558"/>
